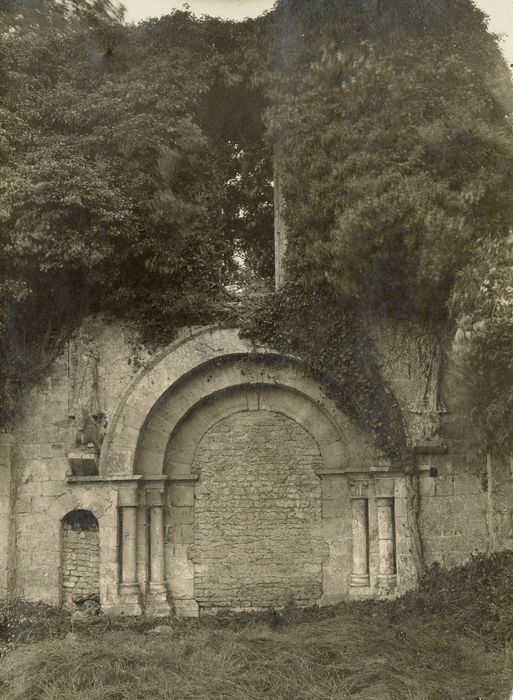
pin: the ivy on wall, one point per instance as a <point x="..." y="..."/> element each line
<point x="136" y="174"/>
<point x="396" y="164"/>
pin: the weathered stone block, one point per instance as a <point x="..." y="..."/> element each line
<point x="181" y="588"/>
<point x="334" y="487"/>
<point x="83" y="461"/>
<point x="187" y="534"/>
<point x="332" y="508"/>
<point x="186" y="608"/>
<point x="174" y="535"/>
<point x="181" y="495"/>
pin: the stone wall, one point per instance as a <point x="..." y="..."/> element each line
<point x="39" y="465"/>
<point x="465" y="508"/>
<point x="80" y="557"/>
<point x="409" y="359"/>
<point x="466" y="503"/>
<point x="257" y="514"/>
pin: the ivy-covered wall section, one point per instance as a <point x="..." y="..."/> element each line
<point x="396" y="156"/>
<point x="137" y="180"/>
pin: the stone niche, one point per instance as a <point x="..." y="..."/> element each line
<point x="80" y="555"/>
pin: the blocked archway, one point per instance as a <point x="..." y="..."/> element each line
<point x="167" y="424"/>
<point x="80" y="558"/>
<point x="257" y="514"/>
<point x="193" y="369"/>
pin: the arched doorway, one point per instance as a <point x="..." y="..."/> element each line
<point x="157" y="449"/>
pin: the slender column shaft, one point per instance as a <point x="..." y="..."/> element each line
<point x="156" y="600"/>
<point x="386" y="539"/>
<point x="128" y="544"/>
<point x="157" y="544"/>
<point x="129" y="594"/>
<point x="360" y="573"/>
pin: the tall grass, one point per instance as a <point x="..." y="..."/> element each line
<point x="353" y="655"/>
<point x="449" y="640"/>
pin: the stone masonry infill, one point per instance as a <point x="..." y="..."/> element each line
<point x="460" y="513"/>
<point x="80" y="563"/>
<point x="257" y="512"/>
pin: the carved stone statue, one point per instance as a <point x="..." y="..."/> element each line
<point x="86" y="413"/>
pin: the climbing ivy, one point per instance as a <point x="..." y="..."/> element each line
<point x="396" y="164"/>
<point x="136" y="175"/>
<point x="317" y="324"/>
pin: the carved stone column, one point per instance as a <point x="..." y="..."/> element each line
<point x="387" y="572"/>
<point x="358" y="492"/>
<point x="157" y="603"/>
<point x="128" y="586"/>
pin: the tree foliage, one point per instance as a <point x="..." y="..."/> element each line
<point x="122" y="183"/>
<point x="394" y="127"/>
<point x="136" y="173"/>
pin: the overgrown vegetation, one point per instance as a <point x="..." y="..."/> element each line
<point x="137" y="172"/>
<point x="396" y="161"/>
<point x="128" y="158"/>
<point x="450" y="639"/>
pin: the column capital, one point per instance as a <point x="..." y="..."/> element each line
<point x="358" y="488"/>
<point x="154" y="497"/>
<point x="128" y="496"/>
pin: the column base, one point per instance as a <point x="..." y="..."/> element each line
<point x="129" y="601"/>
<point x="359" y="581"/>
<point x="387" y="582"/>
<point x="156" y="604"/>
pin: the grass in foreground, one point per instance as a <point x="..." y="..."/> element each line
<point x="451" y="640"/>
<point x="346" y="656"/>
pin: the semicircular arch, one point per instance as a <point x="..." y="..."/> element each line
<point x="184" y="440"/>
<point x="191" y="373"/>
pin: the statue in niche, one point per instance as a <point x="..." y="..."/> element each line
<point x="428" y="408"/>
<point x="85" y="409"/>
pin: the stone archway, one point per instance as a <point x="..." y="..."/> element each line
<point x="195" y="368"/>
<point x="155" y="452"/>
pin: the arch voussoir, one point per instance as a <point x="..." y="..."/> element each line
<point x="197" y="373"/>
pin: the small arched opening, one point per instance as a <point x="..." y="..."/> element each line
<point x="80" y="557"/>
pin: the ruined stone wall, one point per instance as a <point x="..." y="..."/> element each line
<point x="41" y="439"/>
<point x="80" y="560"/>
<point x="466" y="507"/>
<point x="453" y="511"/>
<point x="466" y="503"/>
<point x="257" y="514"/>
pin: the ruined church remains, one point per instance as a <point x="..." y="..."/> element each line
<point x="218" y="474"/>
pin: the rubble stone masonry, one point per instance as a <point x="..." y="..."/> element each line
<point x="254" y="465"/>
<point x="257" y="514"/>
<point x="80" y="562"/>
